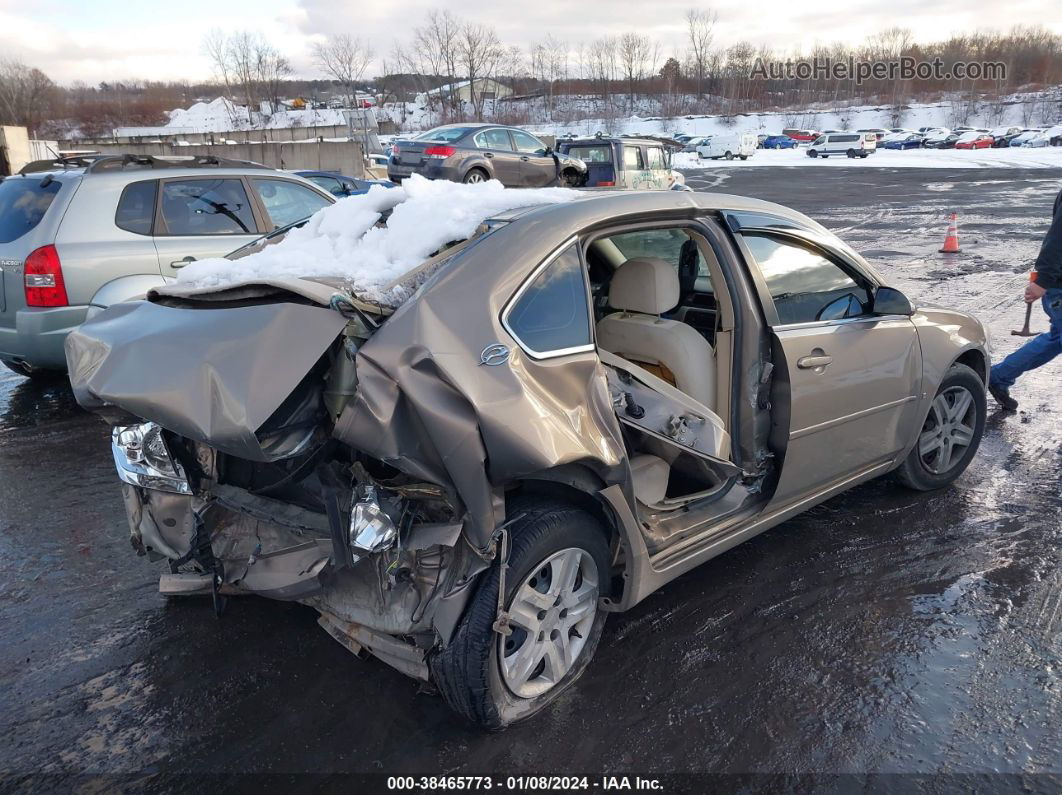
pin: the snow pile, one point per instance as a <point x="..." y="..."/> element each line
<point x="342" y="241"/>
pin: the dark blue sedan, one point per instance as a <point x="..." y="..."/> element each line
<point x="779" y="142"/>
<point x="340" y="185"/>
<point x="912" y="141"/>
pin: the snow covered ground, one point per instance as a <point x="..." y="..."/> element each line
<point x="1010" y="157"/>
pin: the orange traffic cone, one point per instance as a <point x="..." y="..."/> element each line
<point x="951" y="241"/>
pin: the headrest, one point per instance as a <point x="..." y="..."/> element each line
<point x="644" y="284"/>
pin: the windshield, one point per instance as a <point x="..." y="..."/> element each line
<point x="23" y="203"/>
<point x="444" y="134"/>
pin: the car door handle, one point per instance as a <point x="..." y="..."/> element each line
<point x="525" y="158"/>
<point x="488" y="154"/>
<point x="180" y="263"/>
<point x="816" y="360"/>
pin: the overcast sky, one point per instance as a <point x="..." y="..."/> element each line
<point x="94" y="40"/>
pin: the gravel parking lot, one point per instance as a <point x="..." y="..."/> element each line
<point x="882" y="632"/>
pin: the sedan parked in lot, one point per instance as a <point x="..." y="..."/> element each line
<point x="80" y="234"/>
<point x="908" y="141"/>
<point x="942" y="139"/>
<point x="339" y="185"/>
<point x="1001" y="136"/>
<point x="779" y="142"/>
<point x="975" y="140"/>
<point x="466" y="473"/>
<point x="1025" y="136"/>
<point x="478" y="152"/>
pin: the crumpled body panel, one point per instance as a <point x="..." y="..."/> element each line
<point x="426" y="404"/>
<point x="212" y="375"/>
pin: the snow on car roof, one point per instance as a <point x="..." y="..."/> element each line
<point x="343" y="241"/>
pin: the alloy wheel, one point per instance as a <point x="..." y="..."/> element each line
<point x="948" y="430"/>
<point x="551" y="615"/>
<point x="473" y="177"/>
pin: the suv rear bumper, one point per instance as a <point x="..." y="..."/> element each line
<point x="38" y="336"/>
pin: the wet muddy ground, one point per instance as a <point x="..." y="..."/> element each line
<point x="884" y="631"/>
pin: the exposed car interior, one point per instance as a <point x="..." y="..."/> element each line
<point x="655" y="307"/>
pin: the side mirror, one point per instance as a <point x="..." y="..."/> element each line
<point x="890" y="301"/>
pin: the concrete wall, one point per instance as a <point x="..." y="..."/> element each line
<point x="14" y="149"/>
<point x="343" y="156"/>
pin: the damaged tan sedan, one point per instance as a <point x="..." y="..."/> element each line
<point x="571" y="407"/>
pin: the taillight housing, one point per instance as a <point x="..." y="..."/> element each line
<point x="606" y="183"/>
<point x="44" y="278"/>
<point x="440" y="152"/>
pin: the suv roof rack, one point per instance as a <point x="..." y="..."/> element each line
<point x="128" y="161"/>
<point x="56" y="163"/>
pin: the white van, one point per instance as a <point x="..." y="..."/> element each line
<point x="728" y="146"/>
<point x="852" y="144"/>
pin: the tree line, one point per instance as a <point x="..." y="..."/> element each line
<point x="562" y="80"/>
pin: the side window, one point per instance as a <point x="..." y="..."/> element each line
<point x="805" y="285"/>
<point x="330" y="184"/>
<point x="136" y="208"/>
<point x="527" y="143"/>
<point x="553" y="314"/>
<point x="494" y="139"/>
<point x="656" y="158"/>
<point x="632" y="158"/>
<point x="207" y="207"/>
<point x="288" y="202"/>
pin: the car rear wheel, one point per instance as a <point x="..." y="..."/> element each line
<point x="558" y="570"/>
<point x="950" y="434"/>
<point x="475" y="176"/>
<point x="851" y="153"/>
<point x="743" y="157"/>
<point x="729" y="155"/>
<point x="571" y="178"/>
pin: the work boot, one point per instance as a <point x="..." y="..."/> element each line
<point x="1003" y="397"/>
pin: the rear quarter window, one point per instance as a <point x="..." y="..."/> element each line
<point x="23" y="204"/>
<point x="136" y="208"/>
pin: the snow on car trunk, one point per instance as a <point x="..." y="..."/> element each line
<point x="343" y="241"/>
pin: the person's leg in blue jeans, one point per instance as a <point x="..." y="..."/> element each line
<point x="1036" y="352"/>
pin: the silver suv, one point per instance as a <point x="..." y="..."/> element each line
<point x="80" y="234"/>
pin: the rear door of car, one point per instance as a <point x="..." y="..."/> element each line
<point x="204" y="216"/>
<point x="536" y="167"/>
<point x="496" y="145"/>
<point x="852" y="379"/>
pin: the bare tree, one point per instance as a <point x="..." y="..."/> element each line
<point x="26" y="94"/>
<point x="700" y="30"/>
<point x="247" y="65"/>
<point x="344" y="59"/>
<point x="480" y="52"/>
<point x="436" y="54"/>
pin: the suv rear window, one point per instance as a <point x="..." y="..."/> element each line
<point x="23" y="203"/>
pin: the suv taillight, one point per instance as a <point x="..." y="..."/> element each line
<point x="44" y="278"/>
<point x="441" y="152"/>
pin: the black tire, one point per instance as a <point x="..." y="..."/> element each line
<point x="701" y="156"/>
<point x="743" y="157"/>
<point x="33" y="373"/>
<point x="865" y="155"/>
<point x="812" y="153"/>
<point x="851" y="153"/>
<point x="475" y="175"/>
<point x="571" y="178"/>
<point x="729" y="155"/>
<point x="468" y="672"/>
<point x="914" y="472"/>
